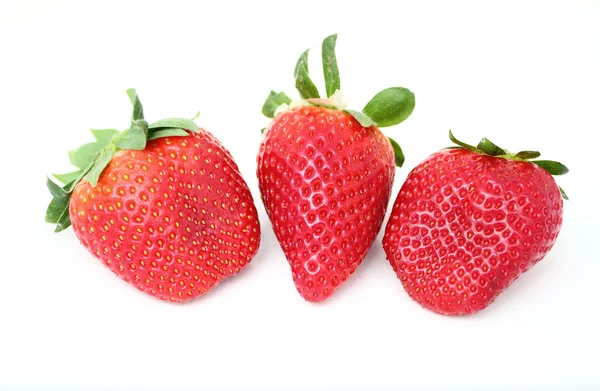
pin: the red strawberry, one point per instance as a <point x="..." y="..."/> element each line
<point x="468" y="221"/>
<point x="325" y="175"/>
<point x="162" y="205"/>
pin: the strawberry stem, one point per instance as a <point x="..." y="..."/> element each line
<point x="487" y="147"/>
<point x="92" y="158"/>
<point x="387" y="108"/>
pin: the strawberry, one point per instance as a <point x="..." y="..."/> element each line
<point x="468" y="221"/>
<point x="325" y="175"/>
<point x="162" y="205"/>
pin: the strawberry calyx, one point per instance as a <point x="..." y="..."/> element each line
<point x="387" y="108"/>
<point x="489" y="148"/>
<point x="92" y="158"/>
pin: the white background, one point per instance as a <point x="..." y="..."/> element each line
<point x="524" y="74"/>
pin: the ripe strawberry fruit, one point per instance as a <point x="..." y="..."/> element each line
<point x="468" y="221"/>
<point x="162" y="205"/>
<point x="325" y="175"/>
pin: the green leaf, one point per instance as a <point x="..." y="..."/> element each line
<point x="56" y="209"/>
<point x="391" y="106"/>
<point x="527" y="155"/>
<point x="363" y="119"/>
<point x="64" y="221"/>
<point x="460" y="143"/>
<point x="195" y="117"/>
<point x="274" y="100"/>
<point x="398" y="155"/>
<point x="100" y="163"/>
<point x="83" y="155"/>
<point x="142" y="124"/>
<point x="55" y="190"/>
<point x="92" y="158"/>
<point x="166" y="132"/>
<point x="133" y="138"/>
<point x="489" y="148"/>
<point x="68" y="177"/>
<point x="262" y="131"/>
<point x="138" y="111"/>
<point x="562" y="192"/>
<point x="71" y="186"/>
<point x="330" y="67"/>
<point x="104" y="136"/>
<point x="182" y="123"/>
<point x="304" y="84"/>
<point x="554" y="168"/>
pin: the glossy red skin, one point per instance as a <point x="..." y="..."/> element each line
<point x="325" y="182"/>
<point x="465" y="225"/>
<point x="173" y="220"/>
